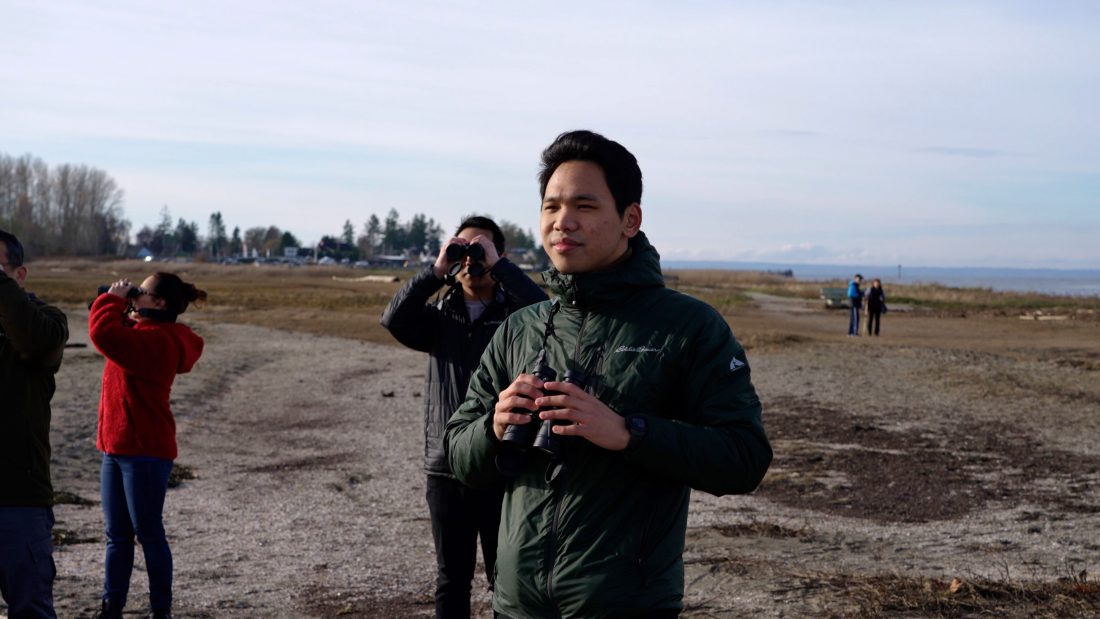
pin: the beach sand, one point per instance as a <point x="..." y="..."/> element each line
<point x="949" y="448"/>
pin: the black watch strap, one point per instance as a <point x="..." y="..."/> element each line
<point x="638" y="428"/>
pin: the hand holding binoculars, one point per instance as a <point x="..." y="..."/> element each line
<point x="538" y="434"/>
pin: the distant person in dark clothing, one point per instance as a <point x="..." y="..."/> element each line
<point x="855" y="304"/>
<point x="485" y="288"/>
<point x="32" y="340"/>
<point x="876" y="306"/>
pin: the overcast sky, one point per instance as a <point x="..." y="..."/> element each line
<point x="922" y="133"/>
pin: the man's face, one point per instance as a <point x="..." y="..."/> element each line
<point x="581" y="229"/>
<point x="19" y="273"/>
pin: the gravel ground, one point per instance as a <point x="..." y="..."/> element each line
<point x="948" y="448"/>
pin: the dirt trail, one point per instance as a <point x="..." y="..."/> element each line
<point x="946" y="448"/>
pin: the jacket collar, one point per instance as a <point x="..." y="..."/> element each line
<point x="641" y="270"/>
<point x="456" y="299"/>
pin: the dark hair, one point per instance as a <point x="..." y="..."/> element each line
<point x="175" y="292"/>
<point x="12" y="248"/>
<point x="477" y="221"/>
<point x="620" y="168"/>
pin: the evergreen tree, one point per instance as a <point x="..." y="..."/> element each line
<point x="235" y="243"/>
<point x="216" y="240"/>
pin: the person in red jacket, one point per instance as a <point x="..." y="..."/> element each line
<point x="135" y="328"/>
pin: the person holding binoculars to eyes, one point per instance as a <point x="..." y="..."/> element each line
<point x="485" y="287"/>
<point x="647" y="390"/>
<point x="32" y="342"/>
<point x="135" y="328"/>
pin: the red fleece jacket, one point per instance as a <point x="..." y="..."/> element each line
<point x="143" y="359"/>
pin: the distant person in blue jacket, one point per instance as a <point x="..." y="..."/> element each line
<point x="855" y="304"/>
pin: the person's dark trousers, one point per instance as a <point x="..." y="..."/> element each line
<point x="133" y="490"/>
<point x="853" y="319"/>
<point x="26" y="561"/>
<point x="459" y="516"/>
<point x="874" y="319"/>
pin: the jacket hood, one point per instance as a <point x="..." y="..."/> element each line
<point x="641" y="270"/>
<point x="190" y="345"/>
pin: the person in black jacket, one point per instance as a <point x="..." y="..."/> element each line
<point x="876" y="306"/>
<point x="32" y="341"/>
<point x="455" y="331"/>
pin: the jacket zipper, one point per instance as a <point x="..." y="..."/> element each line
<point x="551" y="547"/>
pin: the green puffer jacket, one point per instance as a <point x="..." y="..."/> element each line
<point x="32" y="341"/>
<point x="606" y="537"/>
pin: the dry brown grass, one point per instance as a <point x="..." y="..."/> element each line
<point x="885" y="596"/>
<point x="305" y="299"/>
<point x="309" y="299"/>
<point x="708" y="284"/>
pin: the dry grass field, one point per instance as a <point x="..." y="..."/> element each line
<point x="949" y="468"/>
<point x="326" y="300"/>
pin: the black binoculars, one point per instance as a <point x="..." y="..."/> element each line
<point x="538" y="434"/>
<point x="132" y="293"/>
<point x="456" y="252"/>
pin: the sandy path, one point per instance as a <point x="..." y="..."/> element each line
<point x="307" y="453"/>
<point x="951" y="448"/>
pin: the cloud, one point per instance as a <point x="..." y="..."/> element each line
<point x="958" y="151"/>
<point x="780" y="131"/>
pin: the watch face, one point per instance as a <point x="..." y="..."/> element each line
<point x="637" y="425"/>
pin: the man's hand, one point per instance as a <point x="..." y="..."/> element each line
<point x="491" y="255"/>
<point x="591" y="418"/>
<point x="442" y="265"/>
<point x="519" y="394"/>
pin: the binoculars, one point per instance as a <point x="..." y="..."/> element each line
<point x="456" y="252"/>
<point x="131" y="294"/>
<point x="537" y="434"/>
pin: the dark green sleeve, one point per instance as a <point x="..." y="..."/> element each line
<point x="718" y="444"/>
<point x="36" y="330"/>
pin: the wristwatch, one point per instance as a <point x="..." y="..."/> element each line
<point x="638" y="428"/>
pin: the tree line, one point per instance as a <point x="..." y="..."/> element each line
<point x="76" y="210"/>
<point x="68" y="210"/>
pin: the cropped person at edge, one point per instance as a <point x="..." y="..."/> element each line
<point x="32" y="341"/>
<point x="485" y="288"/>
<point x="597" y="529"/>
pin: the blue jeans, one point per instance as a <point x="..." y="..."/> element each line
<point x="853" y="319"/>
<point x="26" y="561"/>
<point x="133" y="489"/>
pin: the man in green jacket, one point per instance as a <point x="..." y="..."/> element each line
<point x="649" y="396"/>
<point x="32" y="339"/>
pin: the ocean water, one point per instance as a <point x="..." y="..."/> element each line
<point x="1072" y="282"/>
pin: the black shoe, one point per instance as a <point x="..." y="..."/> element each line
<point x="161" y="614"/>
<point x="108" y="611"/>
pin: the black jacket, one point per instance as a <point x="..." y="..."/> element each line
<point x="444" y="331"/>
<point x="876" y="300"/>
<point x="32" y="340"/>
